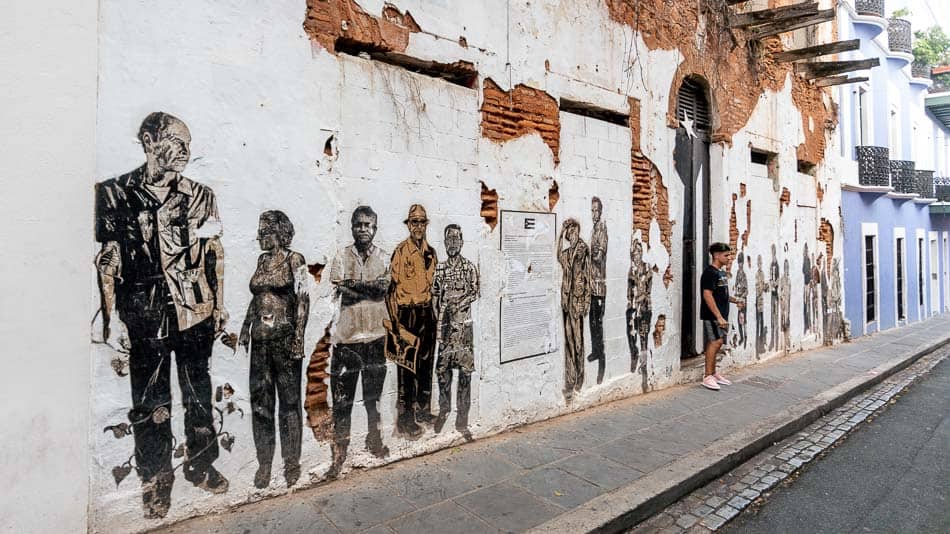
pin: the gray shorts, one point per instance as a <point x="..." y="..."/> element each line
<point x="713" y="332"/>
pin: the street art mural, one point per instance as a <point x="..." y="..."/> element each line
<point x="785" y="304"/>
<point x="639" y="312"/>
<point x="360" y="276"/>
<point x="575" y="301"/>
<point x="411" y="327"/>
<point x="598" y="286"/>
<point x="273" y="334"/>
<point x="454" y="290"/>
<point x="761" y="331"/>
<point x="741" y="294"/>
<point x="162" y="266"/>
<point x="775" y="309"/>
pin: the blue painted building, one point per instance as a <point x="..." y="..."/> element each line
<point x="896" y="223"/>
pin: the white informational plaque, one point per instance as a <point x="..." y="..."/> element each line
<point x="528" y="305"/>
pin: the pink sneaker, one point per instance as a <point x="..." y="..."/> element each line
<point x="722" y="380"/>
<point x="710" y="383"/>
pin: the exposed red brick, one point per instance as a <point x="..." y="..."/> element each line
<point x="748" y="223"/>
<point x="553" y="196"/>
<point x="650" y="196"/>
<point x="316" y="270"/>
<point x="737" y="70"/>
<point x="318" y="409"/>
<point x="507" y="115"/>
<point x="658" y="330"/>
<point x="489" y="210"/>
<point x="826" y="233"/>
<point x="742" y="190"/>
<point x="668" y="276"/>
<point x="332" y="22"/>
<point x="733" y="224"/>
<point x="784" y="200"/>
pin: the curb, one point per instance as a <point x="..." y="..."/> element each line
<point x="629" y="505"/>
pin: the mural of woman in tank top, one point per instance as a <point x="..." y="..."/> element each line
<point x="273" y="333"/>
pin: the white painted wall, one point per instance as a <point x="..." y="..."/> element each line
<point x="261" y="102"/>
<point x="47" y="129"/>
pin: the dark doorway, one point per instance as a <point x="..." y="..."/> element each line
<point x="691" y="159"/>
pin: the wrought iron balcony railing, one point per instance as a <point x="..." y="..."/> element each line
<point x="925" y="184"/>
<point x="942" y="188"/>
<point x="870" y="7"/>
<point x="903" y="177"/>
<point x="920" y="70"/>
<point x="874" y="167"/>
<point x="899" y="36"/>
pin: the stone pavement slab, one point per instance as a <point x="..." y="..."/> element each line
<point x="602" y="469"/>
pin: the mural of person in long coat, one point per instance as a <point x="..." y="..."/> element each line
<point x="575" y="301"/>
<point x="454" y="289"/>
<point x="162" y="265"/>
<point x="774" y="275"/>
<point x="761" y="288"/>
<point x="273" y="330"/>
<point x="409" y="302"/>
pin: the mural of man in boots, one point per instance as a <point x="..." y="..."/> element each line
<point x="598" y="286"/>
<point x="360" y="274"/>
<point x="639" y="309"/>
<point x="774" y="275"/>
<point x="454" y="289"/>
<point x="741" y="292"/>
<point x="575" y="300"/>
<point x="761" y="287"/>
<point x="409" y="302"/>
<point x="162" y="259"/>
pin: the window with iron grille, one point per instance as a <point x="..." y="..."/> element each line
<point x="870" y="310"/>
<point x="899" y="254"/>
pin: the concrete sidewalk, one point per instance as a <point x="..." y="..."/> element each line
<point x="604" y="469"/>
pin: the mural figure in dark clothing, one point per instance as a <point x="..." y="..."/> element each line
<point x="761" y="288"/>
<point x="774" y="276"/>
<point x="162" y="265"/>
<point x="360" y="274"/>
<point x="807" y="286"/>
<point x="454" y="289"/>
<point x="412" y="324"/>
<point x="575" y="301"/>
<point x="741" y="292"/>
<point x="273" y="331"/>
<point x="598" y="287"/>
<point x="639" y="309"/>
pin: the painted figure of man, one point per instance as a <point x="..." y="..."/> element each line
<point x="409" y="301"/>
<point x="835" y="326"/>
<point x="807" y="287"/>
<point x="741" y="293"/>
<point x="162" y="259"/>
<point x="575" y="300"/>
<point x="785" y="299"/>
<point x="360" y="274"/>
<point x="774" y="275"/>
<point x="454" y="289"/>
<point x="598" y="287"/>
<point x="639" y="310"/>
<point x="761" y="287"/>
<point x="815" y="293"/>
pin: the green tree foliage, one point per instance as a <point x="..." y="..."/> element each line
<point x="932" y="46"/>
<point x="902" y="12"/>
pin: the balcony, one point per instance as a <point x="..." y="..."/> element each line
<point x="925" y="183"/>
<point x="904" y="177"/>
<point x="942" y="188"/>
<point x="900" y="41"/>
<point x="874" y="168"/>
<point x="870" y="8"/>
<point x="920" y="70"/>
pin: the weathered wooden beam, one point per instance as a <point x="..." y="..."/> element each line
<point x="792" y="24"/>
<point x="839" y="80"/>
<point x="820" y="50"/>
<point x="822" y="69"/>
<point x="769" y="16"/>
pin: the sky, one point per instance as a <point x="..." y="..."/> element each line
<point x="923" y="13"/>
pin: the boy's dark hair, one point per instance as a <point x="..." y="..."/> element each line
<point x="716" y="248"/>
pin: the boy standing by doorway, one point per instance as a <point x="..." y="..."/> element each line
<point x="714" y="311"/>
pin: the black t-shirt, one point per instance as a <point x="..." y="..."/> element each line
<point x="714" y="280"/>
